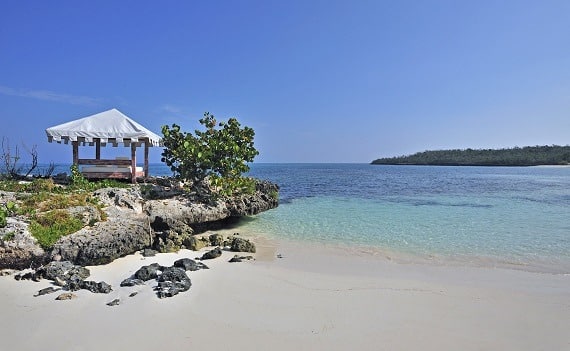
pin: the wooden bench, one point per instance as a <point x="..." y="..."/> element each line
<point x="109" y="169"/>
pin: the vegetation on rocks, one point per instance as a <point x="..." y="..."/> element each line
<point x="219" y="154"/>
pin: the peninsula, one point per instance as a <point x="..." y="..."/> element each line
<point x="517" y="156"/>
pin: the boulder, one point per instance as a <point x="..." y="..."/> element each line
<point x="104" y="242"/>
<point x="98" y="288"/>
<point x="189" y="264"/>
<point x="216" y="239"/>
<point x="238" y="244"/>
<point x="195" y="244"/>
<point x="172" y="281"/>
<point x="148" y="272"/>
<point x="215" y="253"/>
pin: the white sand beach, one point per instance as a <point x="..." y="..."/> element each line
<point x="313" y="298"/>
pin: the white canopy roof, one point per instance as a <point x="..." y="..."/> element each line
<point x="109" y="126"/>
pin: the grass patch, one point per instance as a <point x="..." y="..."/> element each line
<point x="47" y="228"/>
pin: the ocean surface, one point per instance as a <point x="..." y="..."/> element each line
<point x="517" y="217"/>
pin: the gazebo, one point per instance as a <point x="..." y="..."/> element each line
<point x="108" y="127"/>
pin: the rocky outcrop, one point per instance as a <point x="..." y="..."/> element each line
<point x="18" y="248"/>
<point x="105" y="241"/>
<point x="265" y="198"/>
<point x="139" y="218"/>
<point x="121" y="199"/>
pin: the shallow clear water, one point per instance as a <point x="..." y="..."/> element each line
<point x="483" y="215"/>
<point x="497" y="216"/>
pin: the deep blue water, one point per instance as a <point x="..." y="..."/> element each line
<point x="517" y="216"/>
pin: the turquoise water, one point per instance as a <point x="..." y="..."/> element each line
<point x="517" y="217"/>
<point x="494" y="216"/>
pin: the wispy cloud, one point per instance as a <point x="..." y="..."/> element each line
<point x="171" y="109"/>
<point x="47" y="95"/>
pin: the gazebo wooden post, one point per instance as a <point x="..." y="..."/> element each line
<point x="75" y="145"/>
<point x="146" y="159"/>
<point x="97" y="149"/>
<point x="133" y="162"/>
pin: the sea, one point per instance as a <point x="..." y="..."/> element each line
<point x="513" y="217"/>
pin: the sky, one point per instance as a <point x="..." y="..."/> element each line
<point x="318" y="81"/>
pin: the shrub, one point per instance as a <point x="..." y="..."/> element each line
<point x="49" y="227"/>
<point x="221" y="152"/>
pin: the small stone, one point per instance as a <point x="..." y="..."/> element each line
<point x="149" y="252"/>
<point x="215" y="253"/>
<point x="66" y="296"/>
<point x="115" y="302"/>
<point x="133" y="294"/>
<point x="46" y="291"/>
<point x="234" y="259"/>
<point x="132" y="282"/>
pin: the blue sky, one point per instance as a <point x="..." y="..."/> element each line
<point x="319" y="81"/>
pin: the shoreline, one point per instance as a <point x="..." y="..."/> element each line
<point x="314" y="297"/>
<point x="543" y="266"/>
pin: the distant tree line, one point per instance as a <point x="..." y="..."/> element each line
<point x="525" y="156"/>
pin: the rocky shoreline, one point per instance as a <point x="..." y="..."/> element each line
<point x="157" y="216"/>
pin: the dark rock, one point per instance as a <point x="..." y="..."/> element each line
<point x="241" y="245"/>
<point x="132" y="282"/>
<point x="46" y="291"/>
<point x="75" y="284"/>
<point x="62" y="270"/>
<point x="237" y="258"/>
<point x="216" y="239"/>
<point x="266" y="197"/>
<point x="172" y="281"/>
<point x="98" y="288"/>
<point x="24" y="276"/>
<point x="215" y="253"/>
<point x="133" y="294"/>
<point x="149" y="252"/>
<point x="189" y="265"/>
<point x="115" y="302"/>
<point x="148" y="272"/>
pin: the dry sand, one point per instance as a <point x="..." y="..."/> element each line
<point x="314" y="298"/>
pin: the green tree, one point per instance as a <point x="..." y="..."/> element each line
<point x="221" y="152"/>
